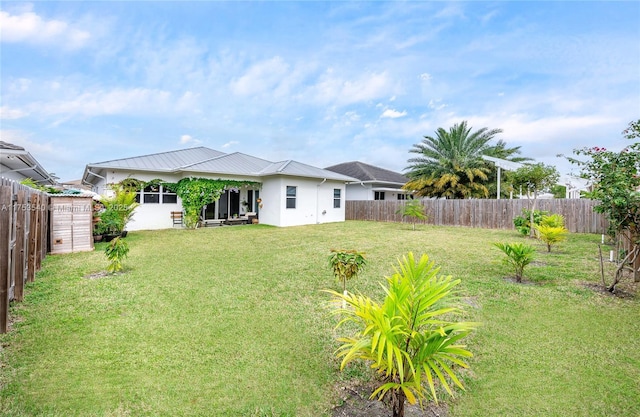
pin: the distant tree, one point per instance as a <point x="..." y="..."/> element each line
<point x="414" y="210"/>
<point x="534" y="178"/>
<point x="450" y="163"/>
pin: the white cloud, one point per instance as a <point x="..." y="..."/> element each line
<point x="105" y="102"/>
<point x="436" y="104"/>
<point x="261" y="77"/>
<point x="393" y="114"/>
<point x="230" y="144"/>
<point x="7" y="113"/>
<point x="425" y="76"/>
<point x="333" y="89"/>
<point x="187" y="139"/>
<point x="28" y="27"/>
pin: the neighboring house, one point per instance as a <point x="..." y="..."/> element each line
<point x="17" y="164"/>
<point x="373" y="183"/>
<point x="291" y="193"/>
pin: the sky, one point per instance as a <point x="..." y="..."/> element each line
<point x="318" y="82"/>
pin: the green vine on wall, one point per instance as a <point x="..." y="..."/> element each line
<point x="195" y="193"/>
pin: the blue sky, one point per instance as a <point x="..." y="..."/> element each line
<point x="318" y="82"/>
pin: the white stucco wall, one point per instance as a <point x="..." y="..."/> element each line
<point x="358" y="192"/>
<point x="314" y="201"/>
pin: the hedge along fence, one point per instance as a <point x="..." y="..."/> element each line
<point x="23" y="241"/>
<point x="481" y="213"/>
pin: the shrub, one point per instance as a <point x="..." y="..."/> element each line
<point x="346" y="264"/>
<point x="116" y="251"/>
<point x="519" y="255"/>
<point x="523" y="222"/>
<point x="411" y="338"/>
<point x="551" y="235"/>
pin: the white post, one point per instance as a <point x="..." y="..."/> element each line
<point x="498" y="196"/>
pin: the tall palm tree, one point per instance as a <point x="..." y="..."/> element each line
<point x="450" y="164"/>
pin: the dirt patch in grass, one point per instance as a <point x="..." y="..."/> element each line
<point x="625" y="290"/>
<point x="356" y="403"/>
<point x="103" y="274"/>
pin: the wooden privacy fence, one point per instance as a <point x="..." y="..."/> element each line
<point x="489" y="214"/>
<point x="23" y="241"/>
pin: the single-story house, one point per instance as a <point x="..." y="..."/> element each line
<point x="373" y="183"/>
<point x="289" y="193"/>
<point x="17" y="164"/>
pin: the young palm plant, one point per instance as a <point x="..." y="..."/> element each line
<point x="410" y="338"/>
<point x="519" y="255"/>
<point x="414" y="210"/>
<point x="551" y="235"/>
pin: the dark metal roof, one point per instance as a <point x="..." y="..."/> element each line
<point x="368" y="173"/>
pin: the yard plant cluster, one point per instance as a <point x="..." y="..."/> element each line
<point x="199" y="324"/>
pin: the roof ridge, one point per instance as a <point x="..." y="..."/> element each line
<point x="286" y="164"/>
<point x="154" y="154"/>
<point x="202" y="161"/>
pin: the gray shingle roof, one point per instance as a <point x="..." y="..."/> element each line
<point x="368" y="173"/>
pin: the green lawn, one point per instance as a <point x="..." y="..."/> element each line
<point x="231" y="321"/>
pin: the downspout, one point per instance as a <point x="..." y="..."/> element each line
<point x="318" y="200"/>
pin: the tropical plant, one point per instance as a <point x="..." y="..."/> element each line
<point x="411" y="339"/>
<point x="116" y="251"/>
<point x="414" y="210"/>
<point x="118" y="210"/>
<point x="519" y="255"/>
<point x="346" y="264"/>
<point x="522" y="223"/>
<point x="551" y="235"/>
<point x="551" y="220"/>
<point x="450" y="164"/>
<point x="534" y="178"/>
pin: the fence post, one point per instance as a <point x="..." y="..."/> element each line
<point x="5" y="236"/>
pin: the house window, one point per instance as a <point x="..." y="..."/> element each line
<point x="168" y="196"/>
<point x="378" y="195"/>
<point x="155" y="194"/>
<point x="291" y="196"/>
<point x="151" y="194"/>
<point x="402" y="196"/>
<point x="336" y="198"/>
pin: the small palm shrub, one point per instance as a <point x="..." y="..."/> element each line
<point x="116" y="251"/>
<point x="414" y="210"/>
<point x="552" y="220"/>
<point x="519" y="255"/>
<point x="551" y="235"/>
<point x="411" y="339"/>
<point x="346" y="264"/>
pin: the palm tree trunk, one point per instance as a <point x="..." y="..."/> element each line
<point x="397" y="402"/>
